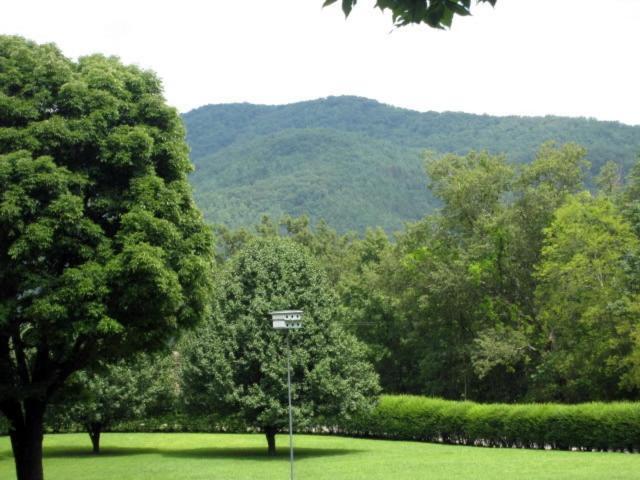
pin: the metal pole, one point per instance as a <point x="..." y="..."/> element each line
<point x="290" y="414"/>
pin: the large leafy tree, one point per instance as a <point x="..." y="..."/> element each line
<point x="102" y="251"/>
<point x="370" y="305"/>
<point x="125" y="390"/>
<point x="236" y="363"/>
<point x="630" y="198"/>
<point x="541" y="187"/>
<point x="460" y="274"/>
<point x="434" y="13"/>
<point x="588" y="305"/>
<point x="449" y="309"/>
<point x="538" y="190"/>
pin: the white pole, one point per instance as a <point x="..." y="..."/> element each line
<point x="290" y="413"/>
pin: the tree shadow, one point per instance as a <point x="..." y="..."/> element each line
<point x="256" y="453"/>
<point x="85" y="452"/>
<point x="253" y="453"/>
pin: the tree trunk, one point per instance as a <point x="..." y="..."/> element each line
<point x="94" y="429"/>
<point x="270" y="433"/>
<point x="26" y="441"/>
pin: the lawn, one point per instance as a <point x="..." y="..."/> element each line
<point x="236" y="457"/>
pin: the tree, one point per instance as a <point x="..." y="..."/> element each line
<point x="471" y="187"/>
<point x="236" y="362"/>
<point x="102" y="251"/>
<point x="631" y="197"/>
<point x="435" y="13"/>
<point x="609" y="179"/>
<point x="370" y="309"/>
<point x="540" y="189"/>
<point x="464" y="270"/>
<point x="450" y="307"/>
<point x="587" y="306"/>
<point x="126" y="390"/>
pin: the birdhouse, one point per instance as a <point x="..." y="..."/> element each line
<point x="286" y="319"/>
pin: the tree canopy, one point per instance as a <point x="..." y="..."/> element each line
<point x="588" y="306"/>
<point x="102" y="250"/>
<point x="497" y="295"/>
<point x="236" y="363"/>
<point x="96" y="399"/>
<point x="434" y="13"/>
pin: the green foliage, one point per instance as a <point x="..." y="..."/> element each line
<point x="352" y="264"/>
<point x="434" y="13"/>
<point x="609" y="179"/>
<point x="327" y="246"/>
<point x="631" y="198"/>
<point x="469" y="187"/>
<point x="302" y="171"/>
<point x="542" y="187"/>
<point x="316" y="157"/>
<point x="588" y="426"/>
<point x="450" y="308"/>
<point x="373" y="312"/>
<point x="236" y="362"/>
<point x="145" y="387"/>
<point x="453" y="303"/>
<point x="586" y="307"/>
<point x="447" y="281"/>
<point x="102" y="251"/>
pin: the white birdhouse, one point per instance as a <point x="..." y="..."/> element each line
<point x="286" y="319"/>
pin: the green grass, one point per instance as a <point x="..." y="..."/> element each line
<point x="236" y="457"/>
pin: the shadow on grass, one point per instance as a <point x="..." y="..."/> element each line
<point x="195" y="453"/>
<point x="85" y="452"/>
<point x="257" y="453"/>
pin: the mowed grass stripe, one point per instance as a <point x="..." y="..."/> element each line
<point x="161" y="456"/>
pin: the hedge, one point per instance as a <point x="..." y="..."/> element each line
<point x="587" y="426"/>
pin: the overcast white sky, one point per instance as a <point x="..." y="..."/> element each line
<point x="525" y="57"/>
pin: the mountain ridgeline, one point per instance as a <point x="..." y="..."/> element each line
<point x="356" y="162"/>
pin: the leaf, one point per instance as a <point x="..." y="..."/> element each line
<point x="108" y="325"/>
<point x="447" y="18"/>
<point x="455" y="7"/>
<point x="347" y="5"/>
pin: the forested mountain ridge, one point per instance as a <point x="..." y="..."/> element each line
<point x="356" y="162"/>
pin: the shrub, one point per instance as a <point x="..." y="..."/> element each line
<point x="588" y="426"/>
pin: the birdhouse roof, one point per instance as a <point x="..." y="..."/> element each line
<point x="285" y="312"/>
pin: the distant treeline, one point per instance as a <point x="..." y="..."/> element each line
<point x="357" y="163"/>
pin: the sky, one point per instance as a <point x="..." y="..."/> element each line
<point x="523" y="57"/>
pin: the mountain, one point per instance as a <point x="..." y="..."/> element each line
<point x="356" y="162"/>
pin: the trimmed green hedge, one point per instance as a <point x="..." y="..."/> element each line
<point x="588" y="426"/>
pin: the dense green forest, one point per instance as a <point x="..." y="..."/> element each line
<point x="357" y="163"/>
<point x="523" y="286"/>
